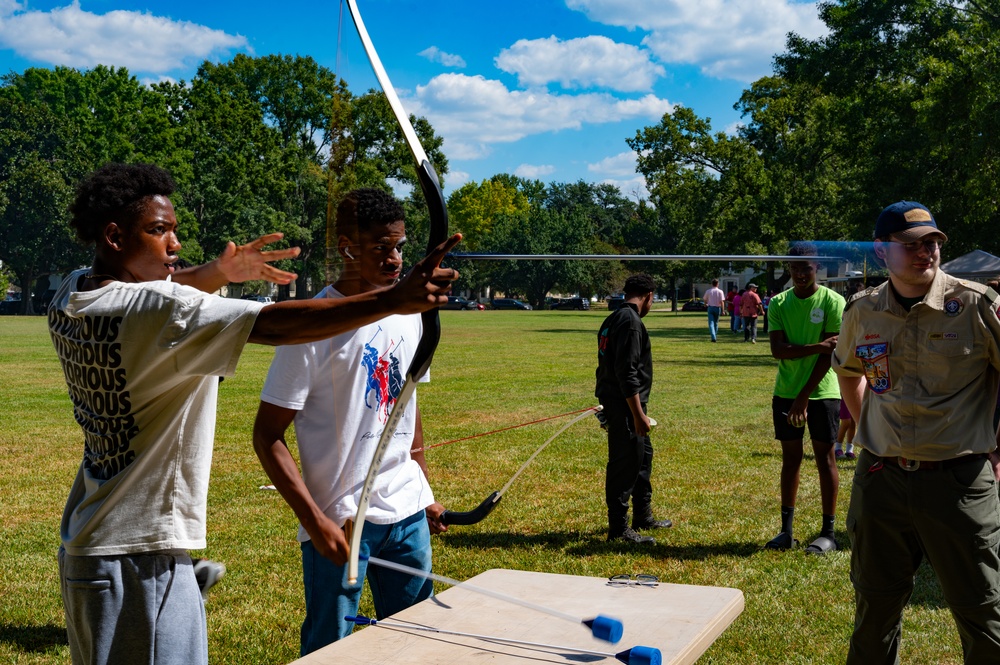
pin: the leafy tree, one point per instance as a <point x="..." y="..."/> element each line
<point x="473" y="207"/>
<point x="538" y="231"/>
<point x="55" y="126"/>
<point x="35" y="240"/>
<point x="915" y="85"/>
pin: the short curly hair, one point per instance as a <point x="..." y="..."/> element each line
<point x="115" y="193"/>
<point x="803" y="248"/>
<point x="639" y="285"/>
<point x="363" y="208"/>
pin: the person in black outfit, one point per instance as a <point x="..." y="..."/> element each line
<point x="624" y="379"/>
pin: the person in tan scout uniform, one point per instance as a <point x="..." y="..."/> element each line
<point x="925" y="345"/>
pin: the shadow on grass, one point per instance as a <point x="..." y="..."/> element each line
<point x="595" y="542"/>
<point x="33" y="638"/>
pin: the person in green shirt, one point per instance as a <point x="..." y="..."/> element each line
<point x="803" y="326"/>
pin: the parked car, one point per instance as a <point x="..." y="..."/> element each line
<point x="694" y="305"/>
<point x="614" y="302"/>
<point x="458" y="302"/>
<point x="571" y="303"/>
<point x="258" y="298"/>
<point x="509" y="303"/>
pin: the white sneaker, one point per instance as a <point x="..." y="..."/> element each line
<point x="208" y="572"/>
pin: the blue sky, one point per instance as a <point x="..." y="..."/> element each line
<point x="546" y="89"/>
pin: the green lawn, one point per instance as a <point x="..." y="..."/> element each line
<point x="715" y="475"/>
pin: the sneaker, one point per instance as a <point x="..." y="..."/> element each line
<point x="208" y="572"/>
<point x="850" y="455"/>
<point x="839" y="454"/>
<point x="631" y="536"/>
<point x="652" y="524"/>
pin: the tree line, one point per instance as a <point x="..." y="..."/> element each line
<point x="900" y="100"/>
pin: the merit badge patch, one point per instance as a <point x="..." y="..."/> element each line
<point x="875" y="359"/>
<point x="954" y="307"/>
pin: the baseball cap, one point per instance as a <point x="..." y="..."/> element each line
<point x="907" y="220"/>
<point x="751" y="285"/>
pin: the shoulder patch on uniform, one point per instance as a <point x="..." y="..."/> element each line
<point x="974" y="286"/>
<point x="858" y="296"/>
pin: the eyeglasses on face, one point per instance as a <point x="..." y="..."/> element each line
<point x="634" y="580"/>
<point x="916" y="245"/>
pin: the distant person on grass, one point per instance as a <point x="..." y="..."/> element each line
<point x="730" y="300"/>
<point x="142" y="346"/>
<point x="750" y="309"/>
<point x="804" y="322"/>
<point x="845" y="433"/>
<point x="918" y="361"/>
<point x="738" y="311"/>
<point x="715" y="299"/>
<point x="338" y="393"/>
<point x="624" y="380"/>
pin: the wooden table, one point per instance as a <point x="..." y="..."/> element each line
<point x="680" y="620"/>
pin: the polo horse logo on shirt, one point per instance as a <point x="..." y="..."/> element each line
<point x="384" y="381"/>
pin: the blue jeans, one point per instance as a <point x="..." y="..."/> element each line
<point x="713" y="321"/>
<point x="329" y="598"/>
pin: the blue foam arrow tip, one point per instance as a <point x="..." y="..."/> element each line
<point x="606" y="628"/>
<point x="640" y="656"/>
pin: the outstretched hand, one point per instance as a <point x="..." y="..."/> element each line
<point x="427" y="284"/>
<point x="242" y="263"/>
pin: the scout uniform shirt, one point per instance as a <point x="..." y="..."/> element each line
<point x="932" y="372"/>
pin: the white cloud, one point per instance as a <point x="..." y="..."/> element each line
<point x="733" y="128"/>
<point x="464" y="150"/>
<point x="734" y="39"/>
<point x="580" y="63"/>
<point x="8" y="7"/>
<point x="475" y="110"/>
<point x="455" y="179"/>
<point x="620" y="165"/>
<point x="620" y="172"/>
<point x="434" y="54"/>
<point x="533" y="171"/>
<point x="139" y="41"/>
<point x="634" y="187"/>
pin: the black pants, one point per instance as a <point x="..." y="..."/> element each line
<point x="630" y="463"/>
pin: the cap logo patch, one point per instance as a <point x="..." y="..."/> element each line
<point x="917" y="215"/>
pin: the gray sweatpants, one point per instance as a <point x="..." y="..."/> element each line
<point x="141" y="608"/>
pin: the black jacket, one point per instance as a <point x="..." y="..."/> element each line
<point x="624" y="357"/>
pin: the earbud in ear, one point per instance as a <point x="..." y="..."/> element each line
<point x="348" y="253"/>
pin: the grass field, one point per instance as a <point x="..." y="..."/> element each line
<point x="715" y="475"/>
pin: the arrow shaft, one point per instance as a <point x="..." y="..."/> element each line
<point x="640" y="257"/>
<point x="488" y="638"/>
<point x="392" y="565"/>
